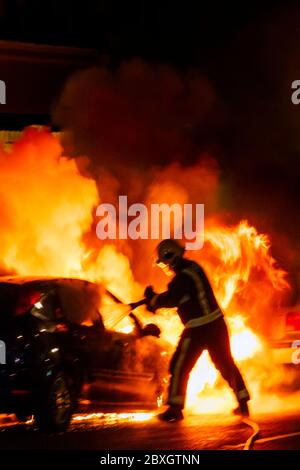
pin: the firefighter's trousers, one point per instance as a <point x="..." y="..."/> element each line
<point x="214" y="338"/>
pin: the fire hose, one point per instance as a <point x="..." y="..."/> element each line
<point x="248" y="445"/>
<point x="126" y="309"/>
<point x="255" y="428"/>
<point x="130" y="306"/>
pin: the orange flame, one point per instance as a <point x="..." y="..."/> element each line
<point x="47" y="207"/>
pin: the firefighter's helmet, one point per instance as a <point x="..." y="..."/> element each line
<point x="169" y="252"/>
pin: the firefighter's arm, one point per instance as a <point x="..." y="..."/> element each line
<point x="168" y="299"/>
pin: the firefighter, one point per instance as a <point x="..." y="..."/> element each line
<point x="204" y="328"/>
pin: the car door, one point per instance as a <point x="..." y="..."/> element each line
<point x="130" y="381"/>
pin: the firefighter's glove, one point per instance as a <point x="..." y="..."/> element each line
<point x="150" y="296"/>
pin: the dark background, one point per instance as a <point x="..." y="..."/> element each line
<point x="249" y="51"/>
<point x="180" y="32"/>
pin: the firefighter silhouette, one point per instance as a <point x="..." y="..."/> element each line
<point x="204" y="328"/>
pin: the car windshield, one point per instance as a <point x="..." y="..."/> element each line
<point x="80" y="301"/>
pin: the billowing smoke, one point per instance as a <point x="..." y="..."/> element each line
<point x="136" y="116"/>
<point x="144" y="117"/>
<point x="153" y="134"/>
<point x="141" y="125"/>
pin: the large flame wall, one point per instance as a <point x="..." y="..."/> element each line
<point x="47" y="228"/>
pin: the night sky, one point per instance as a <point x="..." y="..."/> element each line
<point x="183" y="33"/>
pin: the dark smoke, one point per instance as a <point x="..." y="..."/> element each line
<point x="148" y="133"/>
<point x="139" y="120"/>
<point x="138" y="115"/>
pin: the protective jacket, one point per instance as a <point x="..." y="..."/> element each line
<point x="191" y="292"/>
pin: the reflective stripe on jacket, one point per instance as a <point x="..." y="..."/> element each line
<point x="190" y="291"/>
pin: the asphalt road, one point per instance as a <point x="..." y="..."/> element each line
<point x="130" y="430"/>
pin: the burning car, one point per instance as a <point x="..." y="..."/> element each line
<point x="57" y="347"/>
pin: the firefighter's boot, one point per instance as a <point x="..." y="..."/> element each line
<point x="242" y="409"/>
<point x="173" y="413"/>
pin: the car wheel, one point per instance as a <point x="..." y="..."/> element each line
<point x="56" y="405"/>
